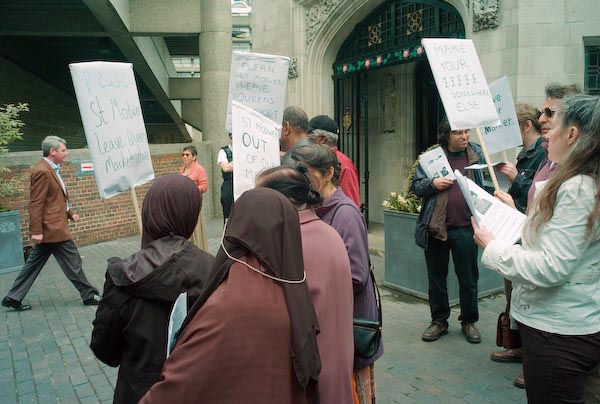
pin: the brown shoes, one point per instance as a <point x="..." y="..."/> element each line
<point x="507" y="355"/>
<point x="434" y="331"/>
<point x="471" y="332"/>
<point x="520" y="381"/>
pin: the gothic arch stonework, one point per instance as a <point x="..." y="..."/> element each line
<point x="327" y="24"/>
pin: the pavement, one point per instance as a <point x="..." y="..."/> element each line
<point x="45" y="355"/>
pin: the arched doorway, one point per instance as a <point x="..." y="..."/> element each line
<point x="386" y="102"/>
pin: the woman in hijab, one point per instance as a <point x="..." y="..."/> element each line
<point x="251" y="336"/>
<point x="194" y="171"/>
<point x="556" y="270"/>
<point x="130" y="329"/>
<point x="344" y="216"/>
<point x="328" y="275"/>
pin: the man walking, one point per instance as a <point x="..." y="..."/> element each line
<point x="444" y="225"/>
<point x="49" y="212"/>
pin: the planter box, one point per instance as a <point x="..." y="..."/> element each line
<point x="11" y="253"/>
<point x="405" y="268"/>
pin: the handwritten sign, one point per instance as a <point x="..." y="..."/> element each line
<point x="258" y="81"/>
<point x="461" y="83"/>
<point x="508" y="134"/>
<point x="114" y="127"/>
<point x="256" y="144"/>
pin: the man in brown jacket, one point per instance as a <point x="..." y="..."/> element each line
<point x="49" y="212"/>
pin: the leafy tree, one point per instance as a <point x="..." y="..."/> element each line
<point x="10" y="130"/>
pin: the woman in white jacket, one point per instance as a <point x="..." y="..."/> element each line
<point x="556" y="269"/>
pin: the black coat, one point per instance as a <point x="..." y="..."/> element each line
<point x="130" y="329"/>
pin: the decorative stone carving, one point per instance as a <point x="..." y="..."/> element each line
<point x="316" y="16"/>
<point x="293" y="70"/>
<point x="485" y="14"/>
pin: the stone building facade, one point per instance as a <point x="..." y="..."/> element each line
<point x="359" y="61"/>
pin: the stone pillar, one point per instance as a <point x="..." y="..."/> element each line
<point x="215" y="61"/>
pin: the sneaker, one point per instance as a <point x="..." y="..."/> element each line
<point x="15" y="304"/>
<point x="92" y="301"/>
<point x="471" y="332"/>
<point x="434" y="331"/>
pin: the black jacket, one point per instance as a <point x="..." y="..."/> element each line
<point x="130" y="329"/>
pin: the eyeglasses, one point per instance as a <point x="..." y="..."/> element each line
<point x="186" y="154"/>
<point x="546" y="111"/>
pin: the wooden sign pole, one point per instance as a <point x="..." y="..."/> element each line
<point x="136" y="208"/>
<point x="488" y="161"/>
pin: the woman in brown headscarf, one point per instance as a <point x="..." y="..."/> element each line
<point x="130" y="329"/>
<point x="194" y="171"/>
<point x="251" y="336"/>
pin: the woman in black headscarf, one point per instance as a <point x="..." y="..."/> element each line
<point x="130" y="329"/>
<point x="235" y="344"/>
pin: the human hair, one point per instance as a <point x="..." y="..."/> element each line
<point x="583" y="157"/>
<point x="291" y="181"/>
<point x="296" y="117"/>
<point x="527" y="112"/>
<point x="444" y="130"/>
<point x="331" y="139"/>
<point x="192" y="149"/>
<point x="560" y="91"/>
<point x="320" y="157"/>
<point x="51" y="142"/>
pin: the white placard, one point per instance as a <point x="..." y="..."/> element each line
<point x="114" y="127"/>
<point x="259" y="82"/>
<point x="507" y="135"/>
<point x="256" y="144"/>
<point x="460" y="82"/>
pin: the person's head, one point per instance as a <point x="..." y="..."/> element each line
<point x="293" y="128"/>
<point x="554" y="93"/>
<point x="527" y="116"/>
<point x="189" y="154"/>
<point x="292" y="182"/>
<point x="452" y="140"/>
<point x="323" y="122"/>
<point x="322" y="164"/>
<point x="574" y="143"/>
<point x="324" y="137"/>
<point x="171" y="207"/>
<point x="54" y="149"/>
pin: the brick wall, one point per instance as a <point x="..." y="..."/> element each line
<point x="100" y="220"/>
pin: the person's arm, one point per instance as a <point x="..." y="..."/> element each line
<point x="202" y="179"/>
<point x="225" y="165"/>
<point x="107" y="341"/>
<point x="40" y="182"/>
<point x="562" y="242"/>
<point x="349" y="224"/>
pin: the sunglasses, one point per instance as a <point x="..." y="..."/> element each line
<point x="549" y="112"/>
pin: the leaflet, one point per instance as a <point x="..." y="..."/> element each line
<point x="504" y="222"/>
<point x="176" y="318"/>
<point x="435" y="164"/>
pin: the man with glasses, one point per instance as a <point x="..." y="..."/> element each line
<point x="444" y="226"/>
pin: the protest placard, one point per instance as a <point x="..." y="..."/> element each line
<point x="114" y="127"/>
<point x="461" y="83"/>
<point x="435" y="164"/>
<point x="256" y="144"/>
<point x="506" y="135"/>
<point x="259" y="82"/>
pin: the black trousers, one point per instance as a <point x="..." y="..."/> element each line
<point x="226" y="197"/>
<point x="464" y="255"/>
<point x="556" y="366"/>
<point x="69" y="260"/>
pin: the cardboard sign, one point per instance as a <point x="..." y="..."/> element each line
<point x="461" y="83"/>
<point x="259" y="82"/>
<point x="508" y="134"/>
<point x="256" y="144"/>
<point x="114" y="127"/>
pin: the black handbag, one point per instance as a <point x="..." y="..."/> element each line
<point x="367" y="333"/>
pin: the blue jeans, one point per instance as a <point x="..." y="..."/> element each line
<point x="464" y="255"/>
